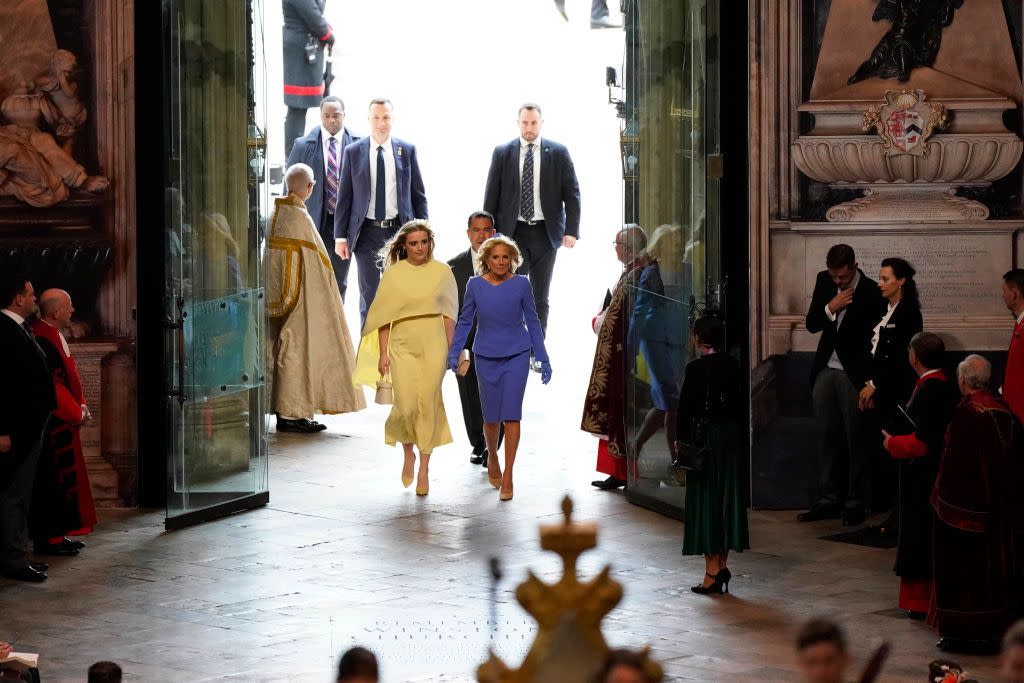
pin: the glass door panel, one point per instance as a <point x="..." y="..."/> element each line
<point x="671" y="109"/>
<point x="217" y="456"/>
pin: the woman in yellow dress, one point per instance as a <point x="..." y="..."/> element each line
<point x="406" y="336"/>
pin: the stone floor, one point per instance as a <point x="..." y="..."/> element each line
<point x="344" y="555"/>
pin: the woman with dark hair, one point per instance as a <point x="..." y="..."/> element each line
<point x="406" y="337"/>
<point x="891" y="379"/>
<point x="715" y="516"/>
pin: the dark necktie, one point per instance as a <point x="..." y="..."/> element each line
<point x="526" y="189"/>
<point x="332" y="175"/>
<point x="380" y="199"/>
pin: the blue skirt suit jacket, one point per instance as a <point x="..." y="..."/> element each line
<point x="507" y="329"/>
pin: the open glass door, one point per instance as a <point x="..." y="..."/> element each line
<point x="671" y="127"/>
<point x="216" y="200"/>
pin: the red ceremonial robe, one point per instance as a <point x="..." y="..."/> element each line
<point x="980" y="522"/>
<point x="62" y="499"/>
<point x="1013" y="380"/>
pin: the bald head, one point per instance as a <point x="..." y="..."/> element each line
<point x="55" y="307"/>
<point x="629" y="242"/>
<point x="298" y="178"/>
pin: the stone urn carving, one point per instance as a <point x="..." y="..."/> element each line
<point x="910" y="145"/>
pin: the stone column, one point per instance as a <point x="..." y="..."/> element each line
<point x="103" y="478"/>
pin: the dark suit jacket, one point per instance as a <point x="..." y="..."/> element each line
<point x="890" y="372"/>
<point x="309" y="150"/>
<point x="559" y="190"/>
<point x="462" y="269"/>
<point x="27" y="393"/>
<point x="354" y="193"/>
<point x="852" y="340"/>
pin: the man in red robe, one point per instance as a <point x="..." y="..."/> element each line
<point x="980" y="521"/>
<point x="604" y="413"/>
<point x="1013" y="380"/>
<point x="62" y="500"/>
<point x="917" y="452"/>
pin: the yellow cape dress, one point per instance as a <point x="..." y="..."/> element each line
<point x="413" y="300"/>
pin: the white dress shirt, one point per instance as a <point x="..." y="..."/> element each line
<point x="13" y="316"/>
<point x="1020" y="318"/>
<point x="390" y="181"/>
<point x="881" y="324"/>
<point x="538" y="212"/>
<point x="325" y="142"/>
<point x="837" y="318"/>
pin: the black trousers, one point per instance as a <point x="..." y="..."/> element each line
<point x="15" y="502"/>
<point x="538" y="264"/>
<point x="365" y="250"/>
<point x="294" y="127"/>
<point x="843" y="466"/>
<point x="598" y="9"/>
<point x="338" y="264"/>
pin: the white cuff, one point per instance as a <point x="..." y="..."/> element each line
<point x="829" y="314"/>
<point x="340" y="240"/>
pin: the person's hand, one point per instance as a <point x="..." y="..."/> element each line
<point x="86" y="415"/>
<point x="5" y="650"/>
<point x="885" y="439"/>
<point x="841" y="300"/>
<point x="384" y="364"/>
<point x="5" y="443"/>
<point x="341" y="249"/>
<point x="864" y="401"/>
<point x="330" y="41"/>
<point x="545" y="372"/>
<point x="568" y="241"/>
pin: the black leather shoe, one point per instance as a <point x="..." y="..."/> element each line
<point x="58" y="549"/>
<point x="965" y="646"/>
<point x="38" y="566"/>
<point x="302" y="426"/>
<point x="26" y="573"/>
<point x="73" y="543"/>
<point x="853" y="516"/>
<point x="819" y="511"/>
<point x="476" y="458"/>
<point x="916" y="616"/>
<point x="609" y="484"/>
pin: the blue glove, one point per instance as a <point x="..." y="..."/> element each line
<point x="453" y="361"/>
<point x="545" y="372"/>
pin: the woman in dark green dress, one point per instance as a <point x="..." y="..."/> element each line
<point x="715" y="518"/>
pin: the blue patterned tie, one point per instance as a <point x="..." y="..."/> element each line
<point x="332" y="176"/>
<point x="380" y="200"/>
<point x="526" y="189"/>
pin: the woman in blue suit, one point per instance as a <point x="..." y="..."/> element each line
<point x="501" y="303"/>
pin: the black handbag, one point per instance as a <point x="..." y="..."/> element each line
<point x="694" y="452"/>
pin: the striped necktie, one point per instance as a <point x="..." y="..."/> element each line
<point x="526" y="188"/>
<point x="332" y="175"/>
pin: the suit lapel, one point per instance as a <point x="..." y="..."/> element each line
<point x="362" y="169"/>
<point x="514" y="156"/>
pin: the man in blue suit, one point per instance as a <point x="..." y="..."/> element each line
<point x="381" y="189"/>
<point x="533" y="193"/>
<point x="321" y="150"/>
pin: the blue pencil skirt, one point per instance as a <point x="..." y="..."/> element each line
<point x="502" y="383"/>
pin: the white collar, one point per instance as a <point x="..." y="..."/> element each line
<point x="388" y="149"/>
<point x="1020" y="318"/>
<point x="930" y="372"/>
<point x="523" y="143"/>
<point x="50" y="324"/>
<point x="328" y="136"/>
<point x="13" y="316"/>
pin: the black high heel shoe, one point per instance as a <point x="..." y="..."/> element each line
<point x="719" y="585"/>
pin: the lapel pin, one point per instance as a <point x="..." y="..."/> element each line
<point x="399" y="150"/>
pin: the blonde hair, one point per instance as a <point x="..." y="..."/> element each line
<point x="515" y="256"/>
<point x="394" y="251"/>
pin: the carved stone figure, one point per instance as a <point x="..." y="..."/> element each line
<point x="33" y="167"/>
<point x="913" y="40"/>
<point x="67" y="113"/>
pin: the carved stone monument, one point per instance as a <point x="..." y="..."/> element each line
<point x="942" y="126"/>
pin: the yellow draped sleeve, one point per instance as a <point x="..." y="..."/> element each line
<point x="405" y="291"/>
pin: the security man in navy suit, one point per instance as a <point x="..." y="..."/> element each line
<point x="381" y="189"/>
<point x="533" y="194"/>
<point x="321" y="150"/>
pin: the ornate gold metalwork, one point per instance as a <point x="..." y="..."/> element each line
<point x="905" y="122"/>
<point x="569" y="646"/>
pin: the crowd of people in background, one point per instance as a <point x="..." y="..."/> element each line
<point x="939" y="455"/>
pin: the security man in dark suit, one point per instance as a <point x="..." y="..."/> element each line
<point x="533" y="194"/>
<point x="381" y="189"/>
<point x="26" y="400"/>
<point x="845" y="307"/>
<point x="321" y="150"/>
<point x="479" y="230"/>
<point x="305" y="35"/>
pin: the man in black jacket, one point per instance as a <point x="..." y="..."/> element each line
<point x="26" y="400"/>
<point x="845" y="307"/>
